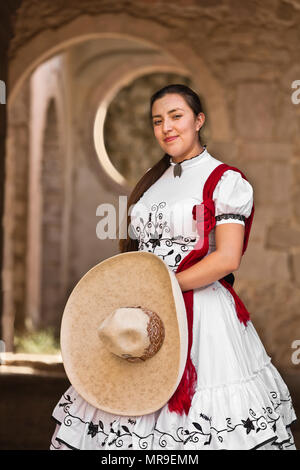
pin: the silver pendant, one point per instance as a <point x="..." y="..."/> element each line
<point x="177" y="170"/>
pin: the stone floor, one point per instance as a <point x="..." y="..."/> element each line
<point x="29" y="394"/>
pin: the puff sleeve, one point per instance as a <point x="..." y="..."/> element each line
<point x="233" y="198"/>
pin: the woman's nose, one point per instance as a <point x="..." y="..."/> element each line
<point x="167" y="125"/>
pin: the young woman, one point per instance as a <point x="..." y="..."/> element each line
<point x="195" y="213"/>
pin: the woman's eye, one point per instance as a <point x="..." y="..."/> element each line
<point x="158" y="122"/>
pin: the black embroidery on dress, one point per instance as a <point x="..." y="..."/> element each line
<point x="258" y="423"/>
<point x="248" y="425"/>
<point x="252" y="423"/>
<point x="230" y="216"/>
<point x="151" y="234"/>
<point x="284" y="444"/>
<point x="92" y="429"/>
<point x="66" y="404"/>
<point x="118" y="436"/>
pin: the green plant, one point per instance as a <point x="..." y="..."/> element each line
<point x="37" y="342"/>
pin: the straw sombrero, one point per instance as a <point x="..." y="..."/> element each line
<point x="124" y="334"/>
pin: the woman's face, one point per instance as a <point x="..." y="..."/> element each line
<point x="172" y="117"/>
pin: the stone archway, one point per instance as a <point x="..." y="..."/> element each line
<point x="50" y="42"/>
<point x="139" y="35"/>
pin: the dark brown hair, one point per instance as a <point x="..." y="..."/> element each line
<point x="152" y="175"/>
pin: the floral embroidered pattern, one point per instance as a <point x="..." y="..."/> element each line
<point x="202" y="430"/>
<point x="66" y="405"/>
<point x="252" y="424"/>
<point x="112" y="435"/>
<point x="154" y="235"/>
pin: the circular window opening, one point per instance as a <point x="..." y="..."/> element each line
<point x="128" y="134"/>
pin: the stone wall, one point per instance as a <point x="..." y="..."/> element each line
<point x="250" y="50"/>
<point x="7" y="17"/>
<point x="16" y="204"/>
<point x="52" y="202"/>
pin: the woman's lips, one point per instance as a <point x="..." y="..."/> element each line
<point x="169" y="139"/>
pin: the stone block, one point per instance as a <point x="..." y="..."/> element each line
<point x="224" y="151"/>
<point x="242" y="70"/>
<point x="274" y="309"/>
<point x="296" y="203"/>
<point x="285" y="332"/>
<point x="270" y="151"/>
<point x="296" y="173"/>
<point x="289" y="75"/>
<point x="254" y="110"/>
<point x="263" y="217"/>
<point x="287" y="122"/>
<point x="20" y="248"/>
<point x="261" y="264"/>
<point x="272" y="182"/>
<point x="296" y="190"/>
<point x="285" y="11"/>
<point x="282" y="237"/>
<point x="295" y="262"/>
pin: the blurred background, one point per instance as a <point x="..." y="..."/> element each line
<point x="75" y="134"/>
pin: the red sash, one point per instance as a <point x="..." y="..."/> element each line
<point x="204" y="214"/>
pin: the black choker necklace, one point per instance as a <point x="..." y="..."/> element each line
<point x="177" y="167"/>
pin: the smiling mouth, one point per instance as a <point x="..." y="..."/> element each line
<point x="170" y="139"/>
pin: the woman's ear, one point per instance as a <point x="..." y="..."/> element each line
<point x="200" y="120"/>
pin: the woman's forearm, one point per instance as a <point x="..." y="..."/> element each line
<point x="211" y="268"/>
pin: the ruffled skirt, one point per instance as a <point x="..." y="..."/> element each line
<point x="241" y="401"/>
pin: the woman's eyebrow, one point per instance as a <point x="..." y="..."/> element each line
<point x="159" y="115"/>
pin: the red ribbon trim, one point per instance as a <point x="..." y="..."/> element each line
<point x="204" y="214"/>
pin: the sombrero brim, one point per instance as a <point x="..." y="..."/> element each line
<point x="104" y="380"/>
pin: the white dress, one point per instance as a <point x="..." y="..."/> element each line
<point x="241" y="401"/>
